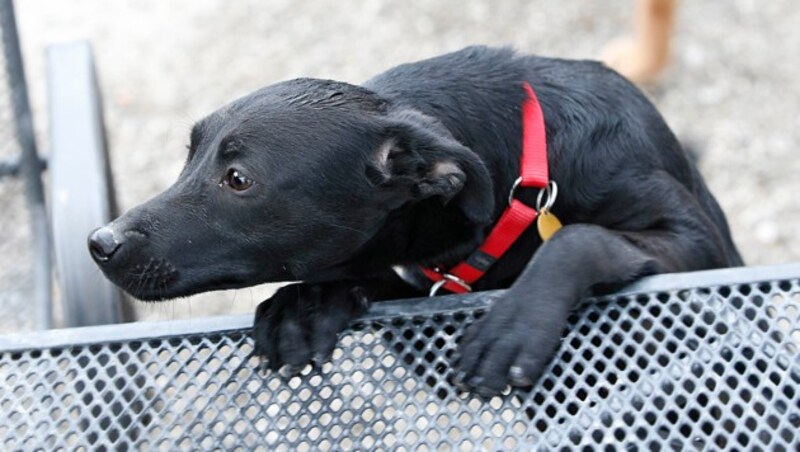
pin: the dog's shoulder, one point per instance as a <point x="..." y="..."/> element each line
<point x="473" y="61"/>
<point x="473" y="71"/>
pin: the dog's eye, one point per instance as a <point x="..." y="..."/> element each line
<point x="237" y="181"/>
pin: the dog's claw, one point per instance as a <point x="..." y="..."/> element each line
<point x="458" y="380"/>
<point x="475" y="381"/>
<point x="289" y="371"/>
<point x="360" y="296"/>
<point x="518" y="378"/>
<point x="318" y="360"/>
<point x="263" y="366"/>
<point x="485" y="392"/>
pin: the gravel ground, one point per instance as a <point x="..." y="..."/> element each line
<point x="732" y="90"/>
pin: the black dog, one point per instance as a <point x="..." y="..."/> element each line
<point x="335" y="185"/>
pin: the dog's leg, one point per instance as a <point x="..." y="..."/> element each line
<point x="301" y="322"/>
<point x="642" y="58"/>
<point x="515" y="340"/>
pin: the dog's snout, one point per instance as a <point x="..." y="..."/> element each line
<point x="103" y="244"/>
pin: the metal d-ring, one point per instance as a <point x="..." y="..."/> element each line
<point x="513" y="189"/>
<point x="445" y="278"/>
<point x="551" y="192"/>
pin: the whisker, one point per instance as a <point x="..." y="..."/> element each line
<point x="233" y="302"/>
<point x="189" y="119"/>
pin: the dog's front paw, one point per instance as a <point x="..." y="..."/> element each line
<point x="511" y="344"/>
<point x="300" y="324"/>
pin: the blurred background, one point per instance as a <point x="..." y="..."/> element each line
<point x="731" y="90"/>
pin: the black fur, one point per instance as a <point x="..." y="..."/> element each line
<point x="413" y="168"/>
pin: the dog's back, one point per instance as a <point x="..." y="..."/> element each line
<point x="600" y="128"/>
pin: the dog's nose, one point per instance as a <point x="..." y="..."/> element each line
<point x="102" y="244"/>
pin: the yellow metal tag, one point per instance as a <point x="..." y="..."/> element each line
<point x="548" y="224"/>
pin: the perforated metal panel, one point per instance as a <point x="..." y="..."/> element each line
<point x="657" y="367"/>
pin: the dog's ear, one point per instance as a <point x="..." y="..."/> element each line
<point x="418" y="163"/>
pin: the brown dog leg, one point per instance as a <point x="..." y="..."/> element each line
<point x="642" y="57"/>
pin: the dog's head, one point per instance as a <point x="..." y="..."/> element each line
<point x="288" y="183"/>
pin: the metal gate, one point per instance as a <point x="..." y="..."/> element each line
<point x="688" y="361"/>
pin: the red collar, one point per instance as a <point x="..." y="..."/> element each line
<point x="516" y="218"/>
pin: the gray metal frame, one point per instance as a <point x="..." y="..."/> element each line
<point x="707" y="360"/>
<point x="81" y="187"/>
<point x="29" y="165"/>
<point x="409" y="307"/>
<point x="79" y="204"/>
